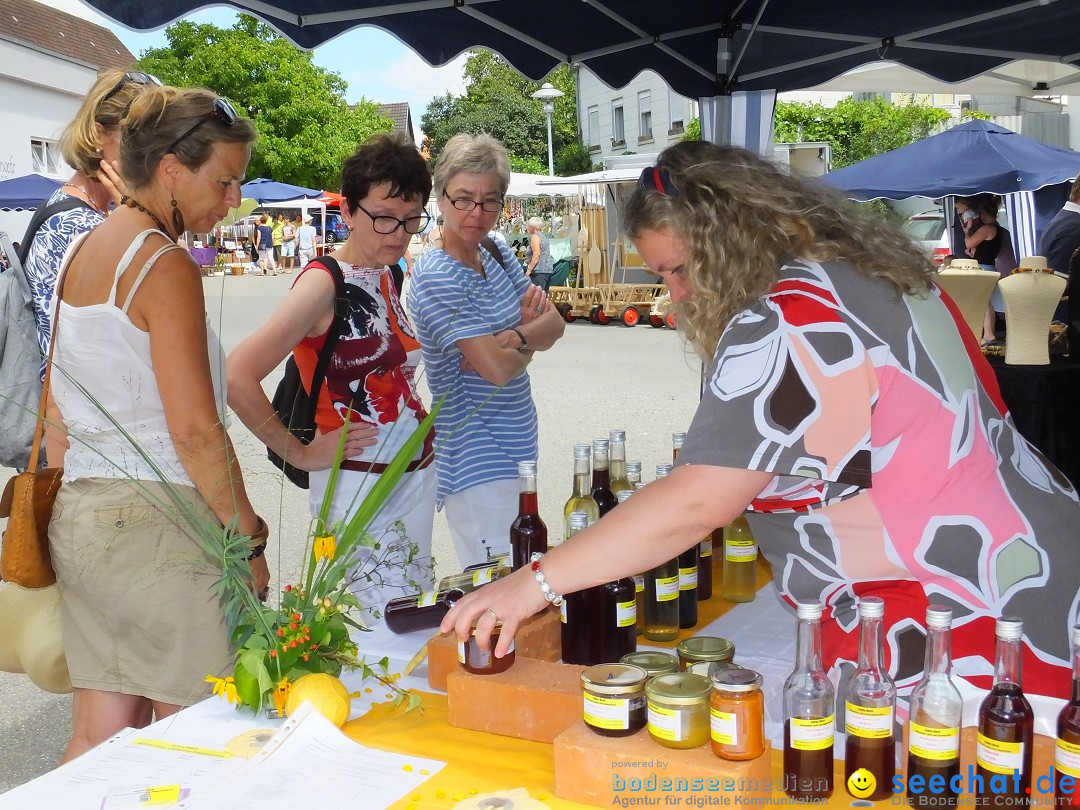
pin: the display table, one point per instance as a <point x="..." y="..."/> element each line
<point x="1044" y="402"/>
<point x="204" y="256"/>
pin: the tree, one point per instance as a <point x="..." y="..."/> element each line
<point x="306" y="128"/>
<point x="498" y="101"/>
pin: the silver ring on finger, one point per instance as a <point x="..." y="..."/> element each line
<point x="493" y="614"/>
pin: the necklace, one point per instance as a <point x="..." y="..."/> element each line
<point x="89" y="197"/>
<point x="131" y="202"/>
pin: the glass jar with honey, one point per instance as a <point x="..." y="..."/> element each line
<point x="737" y="714"/>
<point x="679" y="709"/>
<point x="709" y="649"/>
<point x="614" y="699"/>
<point x="484" y="662"/>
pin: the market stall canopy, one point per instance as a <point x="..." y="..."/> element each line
<point x="263" y="190"/>
<point x="1025" y="77"/>
<point x="247" y="205"/>
<point x="701" y="49"/>
<point x="532" y="185"/>
<point x="973" y="158"/>
<point x="331" y="199"/>
<point x="27" y="192"/>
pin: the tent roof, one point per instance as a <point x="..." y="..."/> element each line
<point x="972" y="158"/>
<point x="265" y="190"/>
<point x="701" y="49"/>
<point x="26" y="192"/>
<point x="533" y="185"/>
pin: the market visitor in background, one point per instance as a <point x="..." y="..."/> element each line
<point x="479" y="321"/>
<point x="539" y="266"/>
<point x="845" y="409"/>
<point x="138" y="405"/>
<point x="369" y="389"/>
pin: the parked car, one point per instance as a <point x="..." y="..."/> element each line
<point x="335" y="227"/>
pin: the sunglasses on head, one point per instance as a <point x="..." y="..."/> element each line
<point x="653" y="177"/>
<point x="223" y="113"/>
<point x="135" y="77"/>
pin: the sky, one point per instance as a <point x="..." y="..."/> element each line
<point x="374" y="63"/>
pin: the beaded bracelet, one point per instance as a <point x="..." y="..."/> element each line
<point x="549" y="594"/>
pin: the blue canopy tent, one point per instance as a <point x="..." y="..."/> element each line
<point x="973" y="158"/>
<point x="264" y="190"/>
<point x="27" y="192"/>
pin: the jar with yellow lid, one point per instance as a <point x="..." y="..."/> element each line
<point x="484" y="662"/>
<point x="703" y="648"/>
<point x="737" y="714"/>
<point x="679" y="710"/>
<point x="614" y="699"/>
<point x="654" y="663"/>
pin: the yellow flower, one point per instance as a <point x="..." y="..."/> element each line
<point x="281" y="695"/>
<point x="223" y="687"/>
<point x="325" y="546"/>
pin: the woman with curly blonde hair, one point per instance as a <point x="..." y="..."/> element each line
<point x="848" y="411"/>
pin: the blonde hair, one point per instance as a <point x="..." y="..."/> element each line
<point x="79" y="142"/>
<point x="741" y="217"/>
<point x="466" y="153"/>
<point x="160" y="115"/>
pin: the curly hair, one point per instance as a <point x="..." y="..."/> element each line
<point x="741" y="217"/>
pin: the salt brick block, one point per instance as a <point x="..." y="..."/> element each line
<point x="533" y="700"/>
<point x="538" y="637"/>
<point x="592" y="769"/>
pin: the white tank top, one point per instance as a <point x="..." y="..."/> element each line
<point x="103" y="383"/>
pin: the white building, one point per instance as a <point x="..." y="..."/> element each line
<point x="48" y="60"/>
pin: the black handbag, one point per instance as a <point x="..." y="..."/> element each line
<point x="294" y="405"/>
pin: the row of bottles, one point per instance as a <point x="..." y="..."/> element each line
<point x="1005" y="725"/>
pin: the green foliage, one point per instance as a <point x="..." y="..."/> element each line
<point x="498" y="101"/>
<point x="306" y="128"/>
<point x="693" y="131"/>
<point x="572" y="159"/>
<point x="856" y="129"/>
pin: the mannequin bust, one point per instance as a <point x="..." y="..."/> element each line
<point x="969" y="286"/>
<point x="1031" y="295"/>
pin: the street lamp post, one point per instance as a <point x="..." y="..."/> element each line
<point x="548" y="94"/>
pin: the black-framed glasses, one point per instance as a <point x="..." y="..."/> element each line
<point x="223" y="113"/>
<point x="466" y="204"/>
<point x="135" y="77"/>
<point x="386" y="225"/>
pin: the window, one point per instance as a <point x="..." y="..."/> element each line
<point x="617" y="128"/>
<point x="45" y="157"/>
<point x="644" y="116"/>
<point x="677" y="127"/>
<point x="593" y="133"/>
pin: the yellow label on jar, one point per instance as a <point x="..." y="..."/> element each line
<point x="687" y="578"/>
<point x="870" y="722"/>
<point x="664" y="724"/>
<point x="723" y="728"/>
<point x="667" y="588"/>
<point x="482" y="576"/>
<point x="741" y="550"/>
<point x="427" y="599"/>
<point x="609" y="713"/>
<point x="461" y="651"/>
<point x="626" y="613"/>
<point x="997" y="756"/>
<point x="1067" y="758"/>
<point x="940" y="744"/>
<point x="705" y="549"/>
<point x="812" y="734"/>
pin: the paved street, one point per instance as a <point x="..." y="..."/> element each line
<point x="595" y="379"/>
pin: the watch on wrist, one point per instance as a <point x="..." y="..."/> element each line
<point x="521" y="337"/>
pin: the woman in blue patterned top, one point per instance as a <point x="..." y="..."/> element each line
<point x="479" y="321"/>
<point x="90" y="144"/>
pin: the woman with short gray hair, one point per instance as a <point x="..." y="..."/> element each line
<point x="479" y="321"/>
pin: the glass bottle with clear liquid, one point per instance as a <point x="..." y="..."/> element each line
<point x="1004" y="742"/>
<point x="579" y="615"/>
<point x="1067" y="750"/>
<point x="870" y="705"/>
<point x="601" y="480"/>
<point x="639" y="582"/>
<point x="528" y="532"/>
<point x="809" y="718"/>
<point x="934" y="722"/>
<point x="740" y="562"/>
<point x="633" y="474"/>
<point x="581" y="500"/>
<point x="617" y="458"/>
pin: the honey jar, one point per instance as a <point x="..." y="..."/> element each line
<point x="614" y="699"/>
<point x="654" y="663"/>
<point x="679" y="709"/>
<point x="484" y="662"/>
<point x="703" y="648"/>
<point x="737" y="714"/>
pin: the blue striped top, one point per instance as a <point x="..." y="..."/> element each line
<point x="482" y="430"/>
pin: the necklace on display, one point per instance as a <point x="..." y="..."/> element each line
<point x="131" y="202"/>
<point x="89" y="197"/>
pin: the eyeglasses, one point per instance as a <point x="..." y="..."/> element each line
<point x="465" y="204"/>
<point x="387" y="225"/>
<point x="223" y="113"/>
<point x="135" y="77"/>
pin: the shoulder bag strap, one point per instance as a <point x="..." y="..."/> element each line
<point x="493" y="248"/>
<point x="341" y="311"/>
<point x="43" y="212"/>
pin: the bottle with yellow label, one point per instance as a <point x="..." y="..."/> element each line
<point x="870" y="706"/>
<point x="809" y="722"/>
<point x="934" y="722"/>
<point x="1003" y="746"/>
<point x="639" y="579"/>
<point x="1067" y="752"/>
<point x="740" y="562"/>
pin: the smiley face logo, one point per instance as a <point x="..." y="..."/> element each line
<point x="861" y="783"/>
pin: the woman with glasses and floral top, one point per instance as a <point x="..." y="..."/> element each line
<point x="368" y="390"/>
<point x="480" y="321"/>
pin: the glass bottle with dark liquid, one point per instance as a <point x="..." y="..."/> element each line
<point x="581" y="500"/>
<point x="687" y="560"/>
<point x="639" y="579"/>
<point x="1006" y="725"/>
<point x="601" y="481"/>
<point x="618" y="616"/>
<point x="704" y="554"/>
<point x="528" y="533"/>
<point x="870" y="705"/>
<point x="620" y="481"/>
<point x="809" y="721"/>
<point x="424" y="611"/>
<point x="1067" y="751"/>
<point x="934" y="722"/>
<point x="579" y="613"/>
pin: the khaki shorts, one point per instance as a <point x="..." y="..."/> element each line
<point x="138" y="603"/>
